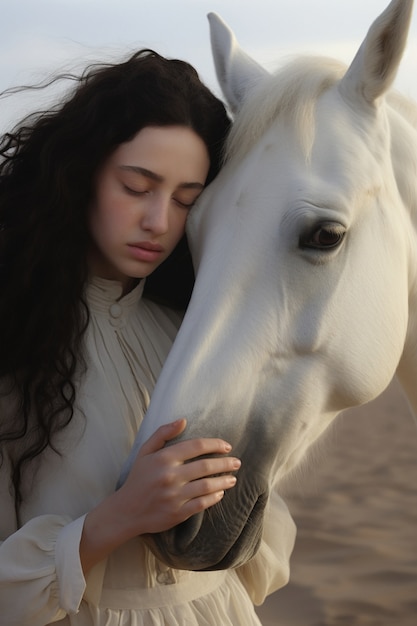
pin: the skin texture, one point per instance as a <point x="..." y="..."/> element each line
<point x="143" y="194"/>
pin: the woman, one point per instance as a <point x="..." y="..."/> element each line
<point x="94" y="197"/>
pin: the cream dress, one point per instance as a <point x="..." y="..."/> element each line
<point x="41" y="581"/>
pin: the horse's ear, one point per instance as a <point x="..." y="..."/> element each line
<point x="236" y="71"/>
<point x="374" y="68"/>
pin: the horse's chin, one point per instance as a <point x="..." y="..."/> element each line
<point x="207" y="541"/>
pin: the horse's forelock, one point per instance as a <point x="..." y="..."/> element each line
<point x="293" y="92"/>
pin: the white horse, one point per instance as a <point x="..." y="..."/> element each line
<point x="305" y="248"/>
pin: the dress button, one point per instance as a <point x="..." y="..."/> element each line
<point x="115" y="310"/>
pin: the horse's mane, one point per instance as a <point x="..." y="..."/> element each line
<point x="405" y="106"/>
<point x="292" y="91"/>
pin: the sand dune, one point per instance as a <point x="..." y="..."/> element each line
<point x="355" y="505"/>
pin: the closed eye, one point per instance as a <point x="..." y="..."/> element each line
<point x="185" y="205"/>
<point x="134" y="192"/>
<point x="186" y="197"/>
<point x="324" y="236"/>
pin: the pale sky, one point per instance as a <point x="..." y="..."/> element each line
<point x="39" y="37"/>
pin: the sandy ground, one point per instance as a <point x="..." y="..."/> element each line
<point x="355" y="505"/>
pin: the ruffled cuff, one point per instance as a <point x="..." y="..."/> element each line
<point x="71" y="581"/>
<point x="40" y="572"/>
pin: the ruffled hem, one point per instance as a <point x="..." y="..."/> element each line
<point x="228" y="604"/>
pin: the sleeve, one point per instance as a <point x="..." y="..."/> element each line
<point x="269" y="569"/>
<point x="41" y="579"/>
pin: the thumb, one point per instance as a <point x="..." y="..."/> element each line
<point x="162" y="435"/>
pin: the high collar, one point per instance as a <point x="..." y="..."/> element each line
<point x="103" y="294"/>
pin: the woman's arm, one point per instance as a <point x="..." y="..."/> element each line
<point x="42" y="564"/>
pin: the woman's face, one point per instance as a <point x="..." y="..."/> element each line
<point x="142" y="197"/>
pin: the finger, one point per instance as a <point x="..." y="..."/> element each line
<point x="162" y="435"/>
<point x="208" y="486"/>
<point x="194" y="448"/>
<point x="207" y="467"/>
<point x="196" y="505"/>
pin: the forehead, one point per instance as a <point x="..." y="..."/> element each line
<point x="171" y="150"/>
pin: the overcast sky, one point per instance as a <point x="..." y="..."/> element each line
<point x="38" y="37"/>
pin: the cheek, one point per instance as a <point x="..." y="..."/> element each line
<point x="107" y="214"/>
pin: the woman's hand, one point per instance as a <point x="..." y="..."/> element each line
<point x="165" y="486"/>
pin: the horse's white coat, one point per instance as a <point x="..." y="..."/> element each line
<point x="284" y="330"/>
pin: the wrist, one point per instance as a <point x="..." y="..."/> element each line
<point x="106" y="527"/>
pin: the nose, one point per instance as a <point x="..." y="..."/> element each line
<point x="156" y="215"/>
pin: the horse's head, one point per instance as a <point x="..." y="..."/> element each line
<point x="302" y="248"/>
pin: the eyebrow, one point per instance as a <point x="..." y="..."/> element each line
<point x="156" y="177"/>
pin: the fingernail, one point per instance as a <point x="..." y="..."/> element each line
<point x="227" y="447"/>
<point x="220" y="494"/>
<point x="237" y="463"/>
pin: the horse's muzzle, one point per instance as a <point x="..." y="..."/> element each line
<point x="212" y="540"/>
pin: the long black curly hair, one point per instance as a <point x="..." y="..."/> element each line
<point x="48" y="165"/>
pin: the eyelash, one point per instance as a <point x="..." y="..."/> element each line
<point x="183" y="205"/>
<point x="134" y="192"/>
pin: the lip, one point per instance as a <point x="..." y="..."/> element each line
<point x="146" y="251"/>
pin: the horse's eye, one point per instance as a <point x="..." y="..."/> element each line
<point x="324" y="237"/>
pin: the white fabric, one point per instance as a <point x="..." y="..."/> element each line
<point x="41" y="580"/>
